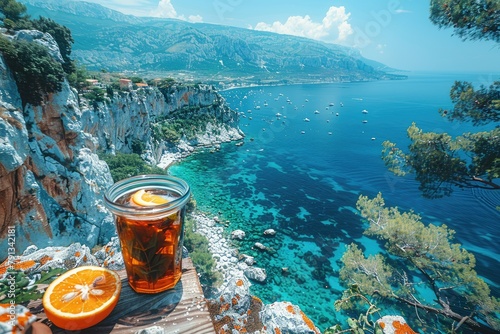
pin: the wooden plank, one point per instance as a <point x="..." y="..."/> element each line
<point x="179" y="310"/>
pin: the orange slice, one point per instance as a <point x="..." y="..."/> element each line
<point x="144" y="198"/>
<point x="81" y="297"/>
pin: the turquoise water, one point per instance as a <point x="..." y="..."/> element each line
<point x="303" y="178"/>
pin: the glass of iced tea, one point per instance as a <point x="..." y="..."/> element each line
<point x="149" y="212"/>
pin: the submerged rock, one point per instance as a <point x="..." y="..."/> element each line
<point x="238" y="234"/>
<point x="269" y="232"/>
<point x="260" y="246"/>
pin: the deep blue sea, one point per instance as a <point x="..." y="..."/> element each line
<point x="303" y="178"/>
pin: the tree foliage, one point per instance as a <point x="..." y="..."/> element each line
<point x="442" y="163"/>
<point x="13" y="10"/>
<point x="63" y="38"/>
<point x="471" y="19"/>
<point x="419" y="258"/>
<point x="124" y="165"/>
<point x="35" y="71"/>
<point x="198" y="247"/>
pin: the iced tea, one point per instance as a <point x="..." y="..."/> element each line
<point x="150" y="229"/>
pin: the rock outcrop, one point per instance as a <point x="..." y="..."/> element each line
<point x="51" y="179"/>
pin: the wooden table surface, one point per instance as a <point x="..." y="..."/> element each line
<point x="180" y="310"/>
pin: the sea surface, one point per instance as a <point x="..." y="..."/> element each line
<point x="303" y="178"/>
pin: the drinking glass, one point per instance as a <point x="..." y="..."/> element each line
<point x="151" y="237"/>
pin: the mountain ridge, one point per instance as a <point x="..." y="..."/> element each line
<point x="112" y="41"/>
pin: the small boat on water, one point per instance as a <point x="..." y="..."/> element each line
<point x="302" y="132"/>
<point x="365" y="121"/>
<point x="331" y="104"/>
<point x="364" y="111"/>
<point x="278" y="115"/>
<point x="307" y="119"/>
<point x="316" y="111"/>
<point x="257" y="107"/>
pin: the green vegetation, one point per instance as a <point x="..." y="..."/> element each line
<point x="14" y="14"/>
<point x="25" y="292"/>
<point x="471" y="19"/>
<point x="184" y="122"/>
<point x="95" y="96"/>
<point x="123" y="165"/>
<point x="439" y="161"/>
<point x="63" y="38"/>
<point x="419" y="260"/>
<point x="35" y="71"/>
<point x="197" y="245"/>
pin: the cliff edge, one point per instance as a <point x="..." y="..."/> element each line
<point x="51" y="179"/>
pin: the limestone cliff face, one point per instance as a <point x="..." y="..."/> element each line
<point x="128" y="116"/>
<point x="51" y="179"/>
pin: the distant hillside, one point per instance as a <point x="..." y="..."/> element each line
<point x="106" y="39"/>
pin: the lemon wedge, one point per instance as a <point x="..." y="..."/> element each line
<point x="144" y="198"/>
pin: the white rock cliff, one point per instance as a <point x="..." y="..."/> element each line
<point x="52" y="181"/>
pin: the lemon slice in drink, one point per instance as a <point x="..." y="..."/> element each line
<point x="144" y="198"/>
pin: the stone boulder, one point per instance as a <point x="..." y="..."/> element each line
<point x="238" y="234"/>
<point x="270" y="232"/>
<point x="34" y="261"/>
<point x="394" y="324"/>
<point x="256" y="274"/>
<point x="44" y="39"/>
<point x="235" y="309"/>
<point x="284" y="317"/>
<point x="247" y="259"/>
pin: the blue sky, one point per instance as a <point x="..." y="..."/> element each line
<point x="397" y="33"/>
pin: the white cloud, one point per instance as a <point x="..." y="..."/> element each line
<point x="334" y="27"/>
<point x="165" y="9"/>
<point x="195" y="18"/>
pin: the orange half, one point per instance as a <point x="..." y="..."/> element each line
<point x="82" y="297"/>
<point x="144" y="198"/>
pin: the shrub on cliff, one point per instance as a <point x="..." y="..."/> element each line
<point x="197" y="245"/>
<point x="14" y="14"/>
<point x="35" y="71"/>
<point x="63" y="38"/>
<point x="123" y="165"/>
